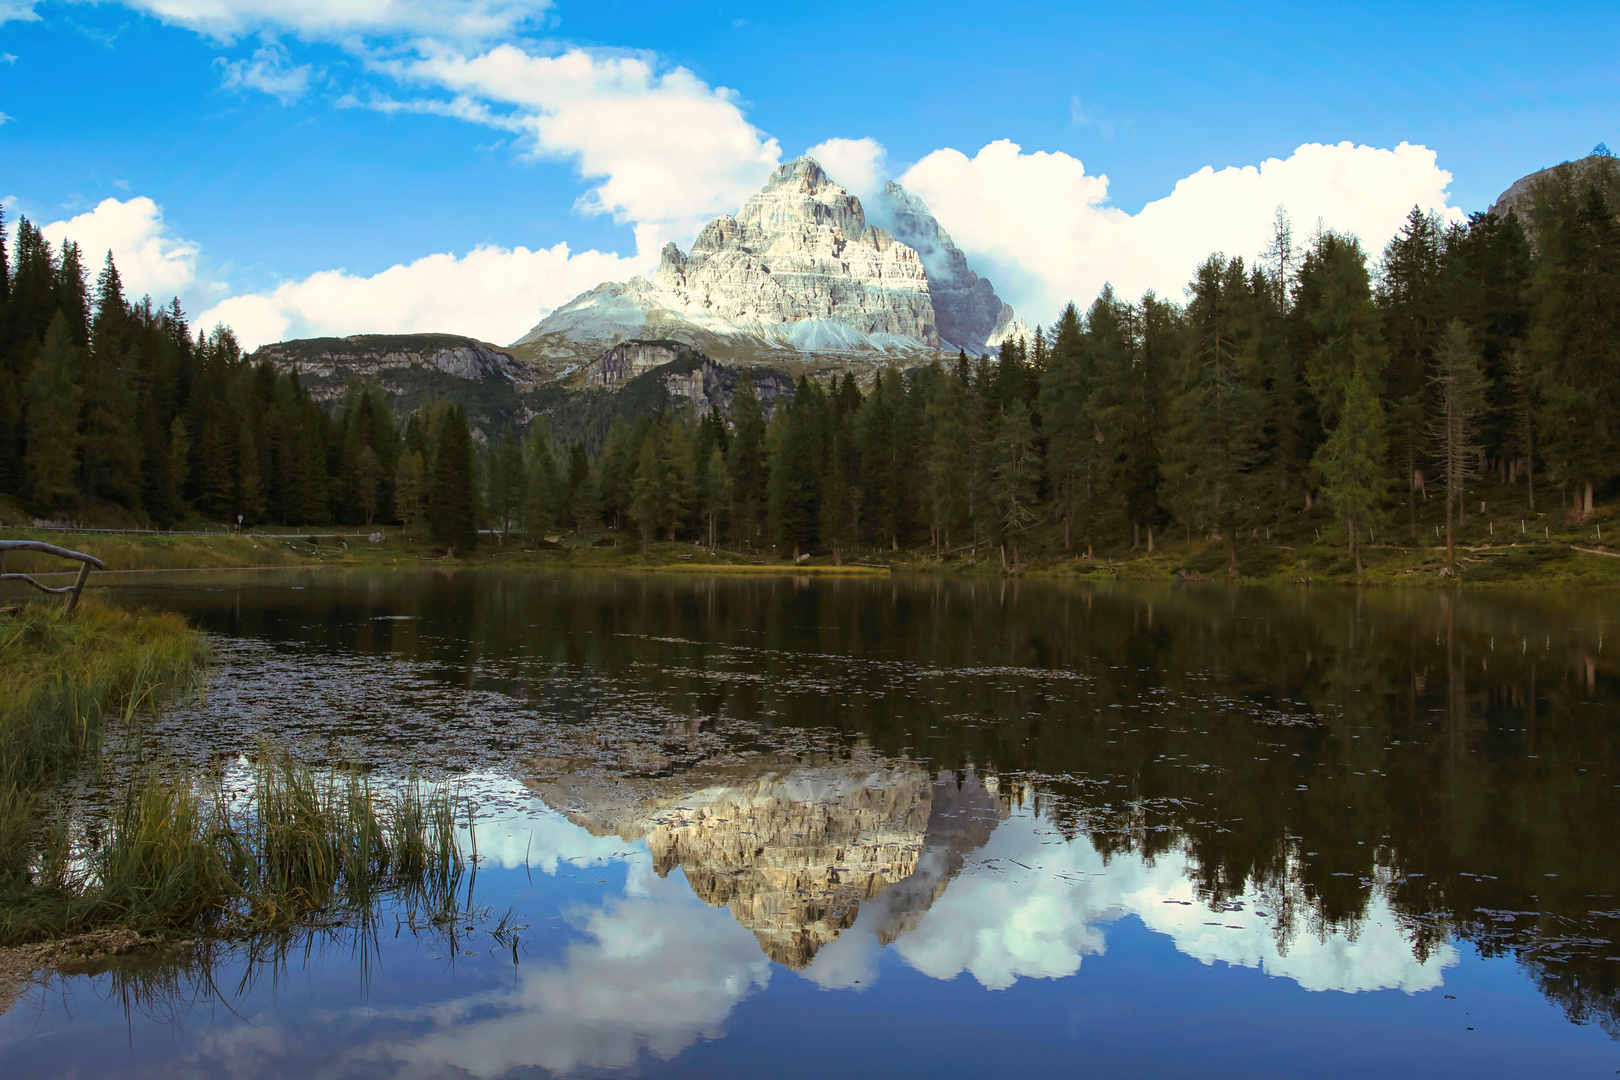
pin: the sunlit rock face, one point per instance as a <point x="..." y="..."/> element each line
<point x="801" y="249"/>
<point x="799" y="273"/>
<point x="793" y="847"/>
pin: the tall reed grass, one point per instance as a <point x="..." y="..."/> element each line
<point x="177" y="856"/>
<point x="61" y="679"/>
<point x="192" y="860"/>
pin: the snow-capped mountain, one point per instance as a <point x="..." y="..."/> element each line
<point x="798" y="273"/>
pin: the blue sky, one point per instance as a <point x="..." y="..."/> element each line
<point x="282" y="140"/>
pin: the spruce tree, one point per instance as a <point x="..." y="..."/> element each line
<point x="452" y="511"/>
<point x="542" y="496"/>
<point x="1065" y="388"/>
<point x="1459" y="399"/>
<point x="747" y="463"/>
<point x="1218" y="413"/>
<point x="53" y="396"/>
<point x="1351" y="463"/>
<point x="579" y="493"/>
<point x="1575" y="339"/>
<point x="1016" y="471"/>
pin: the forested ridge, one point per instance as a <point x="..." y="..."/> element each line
<point x="1316" y="392"/>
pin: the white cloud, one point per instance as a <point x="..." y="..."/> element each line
<point x="18" y="10"/>
<point x="149" y="259"/>
<point x="1001" y="921"/>
<point x="666" y="150"/>
<point x="491" y="293"/>
<point x="659" y="970"/>
<point x="860" y="165"/>
<point x="1041" y="228"/>
<point x="337" y="19"/>
<point x="269" y="70"/>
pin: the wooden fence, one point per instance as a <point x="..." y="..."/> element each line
<point x="72" y="591"/>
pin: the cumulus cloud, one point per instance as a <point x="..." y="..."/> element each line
<point x="1001" y="921"/>
<point x="491" y="293"/>
<point x="1041" y="227"/>
<point x="337" y="19"/>
<point x="664" y="150"/>
<point x="19" y="11"/>
<point x="150" y="259"/>
<point x="658" y="971"/>
<point x="270" y="70"/>
<point x="860" y="165"/>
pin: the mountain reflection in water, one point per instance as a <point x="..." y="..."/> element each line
<point x="1350" y="791"/>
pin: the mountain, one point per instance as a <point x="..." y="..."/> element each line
<point x="412" y="368"/>
<point x="498" y="391"/>
<point x="1599" y="167"/>
<point x="967" y="312"/>
<point x="798" y="274"/>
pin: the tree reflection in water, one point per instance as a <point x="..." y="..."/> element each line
<point x="1337" y="786"/>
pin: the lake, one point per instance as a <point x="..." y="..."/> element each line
<point x="788" y="827"/>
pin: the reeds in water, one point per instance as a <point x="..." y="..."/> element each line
<point x="175" y="857"/>
<point x="61" y="679"/>
<point x="300" y="845"/>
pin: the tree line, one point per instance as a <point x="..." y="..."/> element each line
<point x="1312" y="377"/>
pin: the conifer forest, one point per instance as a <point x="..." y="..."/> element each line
<point x="1320" y="388"/>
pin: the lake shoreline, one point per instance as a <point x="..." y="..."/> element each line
<point x="1547" y="563"/>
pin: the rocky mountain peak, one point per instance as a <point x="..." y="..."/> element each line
<point x="798" y="273"/>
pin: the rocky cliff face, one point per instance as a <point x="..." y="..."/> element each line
<point x="327" y="364"/>
<point x="799" y="273"/>
<point x="412" y="368"/>
<point x="799" y="251"/>
<point x="689" y="377"/>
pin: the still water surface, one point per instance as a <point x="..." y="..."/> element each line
<point x="805" y="827"/>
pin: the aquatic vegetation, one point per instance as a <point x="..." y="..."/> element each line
<point x="225" y="855"/>
<point x="62" y="677"/>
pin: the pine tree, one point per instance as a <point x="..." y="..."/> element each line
<point x="53" y="422"/>
<point x="1575" y="337"/>
<point x="452" y="514"/>
<point x="542" y="486"/>
<point x="368" y="475"/>
<point x="410" y="487"/>
<point x="1459" y="399"/>
<point x="838" y="512"/>
<point x="797" y="470"/>
<point x="1218" y="413"/>
<point x="747" y="463"/>
<point x="1065" y="388"/>
<point x="1016" y="471"/>
<point x="504" y="490"/>
<point x="108" y="448"/>
<point x="949" y="460"/>
<point x="250" y="504"/>
<point x="579" y="493"/>
<point x="1351" y="463"/>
